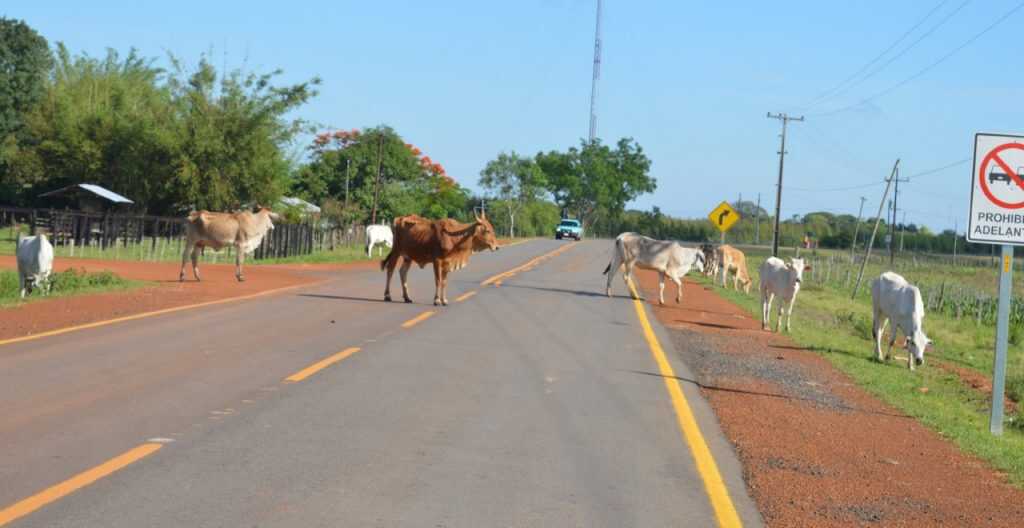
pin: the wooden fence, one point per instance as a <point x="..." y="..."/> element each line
<point x="154" y="237"/>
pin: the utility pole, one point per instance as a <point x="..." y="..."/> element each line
<point x="597" y="75"/>
<point x="895" y="208"/>
<point x="778" y="192"/>
<point x="348" y="174"/>
<point x="871" y="241"/>
<point x="903" y="228"/>
<point x="757" y="216"/>
<point x="856" y="228"/>
<point x="956" y="225"/>
<point x="376" y="185"/>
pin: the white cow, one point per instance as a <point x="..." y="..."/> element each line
<point x="378" y="234"/>
<point x="35" y="263"/>
<point x="892" y="297"/>
<point x="782" y="279"/>
<point x="664" y="256"/>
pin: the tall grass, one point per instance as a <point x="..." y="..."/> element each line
<point x="67" y="282"/>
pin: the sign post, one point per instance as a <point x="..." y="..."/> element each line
<point x="997" y="197"/>
<point x="724" y="217"/>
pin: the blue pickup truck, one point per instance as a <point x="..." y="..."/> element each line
<point x="569" y="228"/>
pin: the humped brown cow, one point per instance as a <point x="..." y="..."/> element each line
<point x="447" y="244"/>
<point x="244" y="230"/>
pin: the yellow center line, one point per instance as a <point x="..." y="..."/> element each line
<point x="721" y="503"/>
<point x="143" y="315"/>
<point x="523" y="267"/>
<point x="81" y="480"/>
<point x="465" y="296"/>
<point x="322" y="364"/>
<point x="417" y="320"/>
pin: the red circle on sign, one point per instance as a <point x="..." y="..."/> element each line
<point x="990" y="157"/>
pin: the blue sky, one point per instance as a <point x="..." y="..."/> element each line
<point x="691" y="81"/>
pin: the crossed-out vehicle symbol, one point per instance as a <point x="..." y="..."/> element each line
<point x="994" y="176"/>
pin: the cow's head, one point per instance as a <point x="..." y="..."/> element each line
<point x="916" y="346"/>
<point x="797" y="267"/>
<point x="483" y="236"/>
<point x="270" y="215"/>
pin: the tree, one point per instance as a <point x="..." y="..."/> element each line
<point x="25" y="61"/>
<point x="595" y="179"/>
<point x="516" y="181"/>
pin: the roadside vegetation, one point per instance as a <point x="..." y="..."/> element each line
<point x="64" y="283"/>
<point x="826" y="320"/>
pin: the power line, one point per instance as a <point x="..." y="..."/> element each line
<point x="940" y="169"/>
<point x="597" y="75"/>
<point x="833" y="91"/>
<point x="836" y="189"/>
<point x="928" y="68"/>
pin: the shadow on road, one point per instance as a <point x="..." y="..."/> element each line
<point x="764" y="394"/>
<point x="580" y="293"/>
<point x="342" y="298"/>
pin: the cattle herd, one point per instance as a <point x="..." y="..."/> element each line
<point x="447" y="245"/>
<point x="893" y="298"/>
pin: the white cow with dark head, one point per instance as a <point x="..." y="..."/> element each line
<point x="893" y="298"/>
<point x="782" y="279"/>
<point x="35" y="263"/>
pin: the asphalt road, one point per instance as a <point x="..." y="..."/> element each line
<point x="534" y="402"/>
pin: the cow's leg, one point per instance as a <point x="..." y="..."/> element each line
<point x="403" y="273"/>
<point x="613" y="268"/>
<point x="437" y="281"/>
<point x="679" y="288"/>
<point x="444" y="287"/>
<point x="661" y="287"/>
<point x="21" y="283"/>
<point x="877" y="328"/>
<point x="789" y="313"/>
<point x="184" y="259"/>
<point x="239" y="258"/>
<point x="766" y="309"/>
<point x="390" y="266"/>
<point x="892" y="341"/>
<point x="779" y="316"/>
<point x="195" y="262"/>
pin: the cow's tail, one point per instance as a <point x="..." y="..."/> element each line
<point x="391" y="255"/>
<point x="609" y="268"/>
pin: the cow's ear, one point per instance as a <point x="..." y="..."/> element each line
<point x="807" y="268"/>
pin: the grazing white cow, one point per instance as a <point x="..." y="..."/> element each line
<point x="893" y="298"/>
<point x="35" y="263"/>
<point x="782" y="279"/>
<point x="664" y="256"/>
<point x="378" y="234"/>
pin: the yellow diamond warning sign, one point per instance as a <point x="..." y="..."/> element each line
<point x="724" y="217"/>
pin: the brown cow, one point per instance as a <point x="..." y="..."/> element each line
<point x="447" y="244"/>
<point x="244" y="230"/>
<point x="729" y="259"/>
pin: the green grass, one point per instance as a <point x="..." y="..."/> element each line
<point x="827" y="321"/>
<point x="340" y="255"/>
<point x="65" y="283"/>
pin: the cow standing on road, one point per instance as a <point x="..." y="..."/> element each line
<point x="447" y="244"/>
<point x="666" y="257"/>
<point x="35" y="263"/>
<point x="892" y="297"/>
<point x="378" y="234"/>
<point x="782" y="279"/>
<point x="243" y="230"/>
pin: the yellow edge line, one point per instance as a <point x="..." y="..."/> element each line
<point x="465" y="296"/>
<point x="81" y="480"/>
<point x="725" y="511"/>
<point x="143" y="315"/>
<point x="519" y="242"/>
<point x="527" y="264"/>
<point x="418" y="319"/>
<point x="322" y="364"/>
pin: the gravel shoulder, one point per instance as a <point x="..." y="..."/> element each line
<point x="816" y="449"/>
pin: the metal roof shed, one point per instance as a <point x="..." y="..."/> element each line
<point x="90" y="197"/>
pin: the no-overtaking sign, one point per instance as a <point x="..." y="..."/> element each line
<point x="997" y="190"/>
